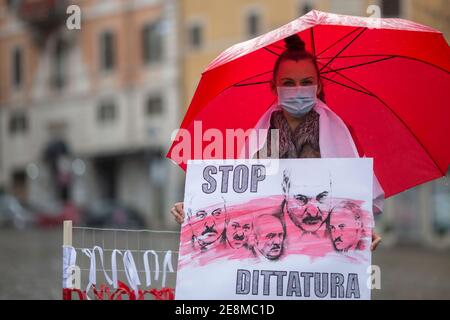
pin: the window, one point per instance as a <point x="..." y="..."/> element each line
<point x="390" y="9"/>
<point x="18" y="123"/>
<point x="106" y="112"/>
<point x="11" y="4"/>
<point x="152" y="42"/>
<point x="253" y="25"/>
<point x="19" y="184"/>
<point x="348" y="7"/>
<point x="58" y="77"/>
<point x="154" y="105"/>
<point x="305" y="8"/>
<point x="195" y="36"/>
<point x="107" y="54"/>
<point x="17" y="65"/>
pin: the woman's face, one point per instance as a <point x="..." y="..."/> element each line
<point x="296" y="73"/>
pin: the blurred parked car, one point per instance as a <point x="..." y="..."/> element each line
<point x="14" y="214"/>
<point x="54" y="214"/>
<point x="109" y="213"/>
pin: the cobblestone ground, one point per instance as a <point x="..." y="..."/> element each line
<point x="30" y="268"/>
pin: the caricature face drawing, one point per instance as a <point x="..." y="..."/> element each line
<point x="207" y="225"/>
<point x="238" y="230"/>
<point x="270" y="234"/>
<point x="345" y="227"/>
<point x="307" y="205"/>
<point x="308" y="212"/>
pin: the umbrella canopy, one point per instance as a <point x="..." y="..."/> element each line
<point x="386" y="79"/>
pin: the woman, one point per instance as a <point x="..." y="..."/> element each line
<point x="307" y="127"/>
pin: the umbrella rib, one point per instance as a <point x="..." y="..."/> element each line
<point x="336" y="42"/>
<point x="390" y="55"/>
<point x="246" y="79"/>
<point x="312" y="41"/>
<point x="273" y="52"/>
<point x="359" y="56"/>
<point x="348" y="79"/>
<point x="395" y="56"/>
<point x="370" y="93"/>
<point x="250" y="84"/>
<point x="357" y="65"/>
<point x="276" y="46"/>
<point x="423" y="61"/>
<point x="342" y="50"/>
<point x="347" y="86"/>
<point x="410" y="131"/>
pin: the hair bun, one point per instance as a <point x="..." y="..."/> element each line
<point x="294" y="43"/>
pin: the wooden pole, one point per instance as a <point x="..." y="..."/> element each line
<point x="67" y="233"/>
<point x="67" y="241"/>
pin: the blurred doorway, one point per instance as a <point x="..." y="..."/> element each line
<point x="107" y="168"/>
<point x="19" y="184"/>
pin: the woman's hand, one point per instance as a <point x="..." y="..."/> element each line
<point x="178" y="212"/>
<point x="376" y="239"/>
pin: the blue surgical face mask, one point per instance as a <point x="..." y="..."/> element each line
<point x="298" y="101"/>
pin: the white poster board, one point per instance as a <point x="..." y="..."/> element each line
<point x="294" y="229"/>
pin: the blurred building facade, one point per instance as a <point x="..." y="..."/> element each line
<point x="89" y="112"/>
<point x="98" y="104"/>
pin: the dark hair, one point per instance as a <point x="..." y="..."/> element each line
<point x="295" y="50"/>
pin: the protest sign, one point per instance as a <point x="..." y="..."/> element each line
<point x="300" y="232"/>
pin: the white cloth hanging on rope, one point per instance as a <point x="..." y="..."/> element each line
<point x="69" y="261"/>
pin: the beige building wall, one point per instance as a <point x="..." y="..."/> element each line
<point x="434" y="13"/>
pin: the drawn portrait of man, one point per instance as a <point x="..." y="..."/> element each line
<point x="207" y="225"/>
<point x="270" y="234"/>
<point x="346" y="227"/>
<point x="307" y="205"/>
<point x="238" y="229"/>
